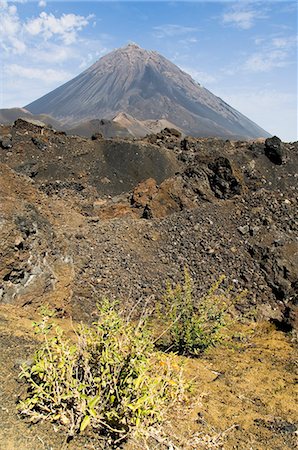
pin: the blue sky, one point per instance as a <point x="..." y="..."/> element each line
<point x="244" y="52"/>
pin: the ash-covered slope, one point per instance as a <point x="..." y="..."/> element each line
<point x="145" y="85"/>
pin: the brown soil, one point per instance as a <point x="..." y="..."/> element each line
<point x="243" y="394"/>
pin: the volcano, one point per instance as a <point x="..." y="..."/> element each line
<point x="147" y="86"/>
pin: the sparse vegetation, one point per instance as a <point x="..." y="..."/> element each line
<point x="194" y="326"/>
<point x="110" y="379"/>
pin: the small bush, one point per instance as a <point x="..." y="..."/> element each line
<point x="192" y="327"/>
<point x="110" y="379"/>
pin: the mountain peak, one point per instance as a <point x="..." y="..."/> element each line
<point x="132" y="50"/>
<point x="147" y="86"/>
<point x="132" y="45"/>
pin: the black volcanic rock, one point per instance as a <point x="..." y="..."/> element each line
<point x="5" y="142"/>
<point x="273" y="150"/>
<point x="147" y="86"/>
<point x="222" y="181"/>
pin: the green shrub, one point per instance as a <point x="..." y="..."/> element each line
<point x="110" y="379"/>
<point x="192" y="327"/>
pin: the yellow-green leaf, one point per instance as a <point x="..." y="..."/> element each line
<point x="85" y="422"/>
<point x="94" y="401"/>
<point x="92" y="412"/>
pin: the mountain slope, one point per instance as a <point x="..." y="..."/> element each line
<point x="145" y="85"/>
<point x="9" y="115"/>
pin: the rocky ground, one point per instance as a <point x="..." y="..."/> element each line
<point x="85" y="218"/>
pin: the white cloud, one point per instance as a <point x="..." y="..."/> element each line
<point x="287" y="42"/>
<point x="170" y="30"/>
<point x="43" y="75"/>
<point x="280" y="42"/>
<point x="64" y="27"/>
<point x="187" y="41"/>
<point x="10" y="29"/>
<point x="242" y="19"/>
<point x="274" y="53"/>
<point x="264" y="61"/>
<point x="42" y="3"/>
<point x="15" y="36"/>
<point x="40" y="53"/>
<point x="12" y="9"/>
<point x="55" y="53"/>
<point x="271" y="53"/>
<point x="259" y="40"/>
<point x="242" y="16"/>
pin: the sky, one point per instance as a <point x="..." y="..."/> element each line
<point x="244" y="52"/>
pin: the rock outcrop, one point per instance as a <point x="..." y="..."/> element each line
<point x="86" y="218"/>
<point x="36" y="267"/>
